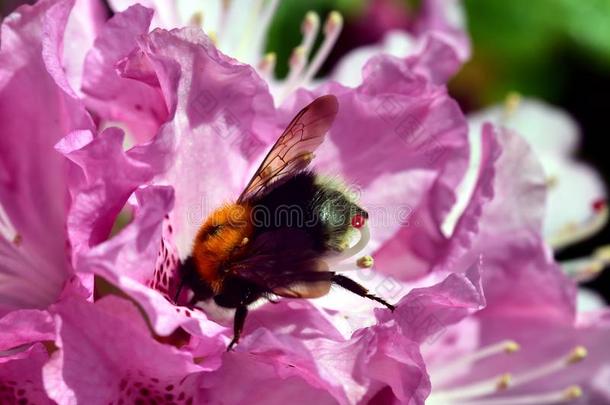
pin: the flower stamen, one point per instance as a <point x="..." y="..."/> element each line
<point x="511" y="104"/>
<point x="298" y="60"/>
<point x="573" y="233"/>
<point x="365" y="262"/>
<point x="450" y="369"/>
<point x="478" y="389"/>
<point x="575" y="356"/>
<point x="332" y="29"/>
<point x="263" y="23"/>
<point x="267" y="65"/>
<point x="467" y="395"/>
<point x="196" y="19"/>
<point x="554" y="397"/>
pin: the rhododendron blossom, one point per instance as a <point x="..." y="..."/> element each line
<point x="470" y="274"/>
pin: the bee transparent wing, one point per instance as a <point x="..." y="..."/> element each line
<point x="284" y="263"/>
<point x="293" y="150"/>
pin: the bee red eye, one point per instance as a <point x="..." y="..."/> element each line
<point x="358" y="221"/>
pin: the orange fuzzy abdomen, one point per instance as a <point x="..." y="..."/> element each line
<point x="220" y="240"/>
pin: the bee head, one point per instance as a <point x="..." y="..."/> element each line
<point x="222" y="237"/>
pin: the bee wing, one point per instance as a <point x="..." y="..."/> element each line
<point x="284" y="263"/>
<point x="292" y="151"/>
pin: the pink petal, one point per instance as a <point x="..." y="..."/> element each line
<point x="25" y="326"/>
<point x="510" y="243"/>
<point x="21" y="377"/>
<point x="467" y="226"/>
<point x="137" y="105"/>
<point x="554" y="137"/>
<point x="542" y="340"/>
<point x="219" y="108"/>
<point x="130" y="261"/>
<point x="259" y="383"/>
<point x="84" y="24"/>
<point x="425" y="313"/>
<point x="103" y="178"/>
<point x="446" y="44"/>
<point x="106" y="353"/>
<point x="32" y="174"/>
<point x="301" y="345"/>
<point x="166" y="14"/>
<point x="435" y="49"/>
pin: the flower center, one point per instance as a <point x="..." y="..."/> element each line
<point x="479" y="392"/>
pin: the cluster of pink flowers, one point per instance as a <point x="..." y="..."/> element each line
<point x="109" y="118"/>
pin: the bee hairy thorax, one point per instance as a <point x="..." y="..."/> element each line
<point x="220" y="240"/>
<point x="312" y="214"/>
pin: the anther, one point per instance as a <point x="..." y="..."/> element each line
<point x="577" y="355"/>
<point x="213" y="37"/>
<point x="449" y="369"/>
<point x="512" y="102"/>
<point x="365" y="262"/>
<point x="573" y="392"/>
<point x="511" y="346"/>
<point x="504" y="382"/>
<point x="196" y="19"/>
<point x="267" y="65"/>
<point x="332" y="29"/>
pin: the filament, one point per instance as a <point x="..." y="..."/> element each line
<point x="450" y="369"/>
<point x="553" y="397"/>
<point x="573" y="233"/>
<point x="471" y="394"/>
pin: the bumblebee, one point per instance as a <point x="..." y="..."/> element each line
<point x="283" y="233"/>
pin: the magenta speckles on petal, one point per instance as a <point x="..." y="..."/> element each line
<point x="21" y="377"/>
<point x="107" y="344"/>
<point x="165" y="275"/>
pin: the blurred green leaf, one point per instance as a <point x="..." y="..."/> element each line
<point x="522" y="45"/>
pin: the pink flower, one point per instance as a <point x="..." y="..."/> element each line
<point x="220" y="120"/>
<point x="527" y="345"/>
<point x="464" y="276"/>
<point x="554" y="137"/>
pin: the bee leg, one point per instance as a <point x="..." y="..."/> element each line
<point x="357" y="289"/>
<point x="238" y="325"/>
